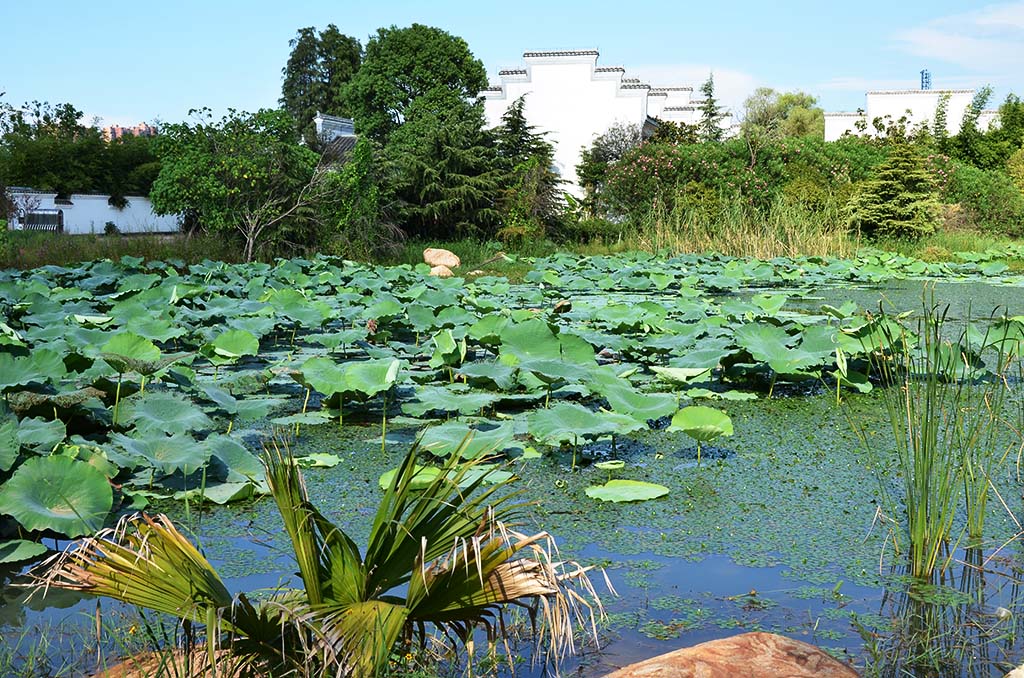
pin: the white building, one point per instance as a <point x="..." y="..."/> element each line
<point x="918" y="105"/>
<point x="574" y="100"/>
<point x="85" y="213"/>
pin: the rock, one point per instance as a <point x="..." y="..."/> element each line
<point x="1016" y="673"/>
<point x="562" y="306"/>
<point x="441" y="271"/>
<point x="751" y="655"/>
<point x="439" y="257"/>
<point x="171" y="665"/>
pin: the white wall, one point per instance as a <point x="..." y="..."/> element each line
<point x="90" y="213"/>
<point x="919" y="106"/>
<point x="573" y="99"/>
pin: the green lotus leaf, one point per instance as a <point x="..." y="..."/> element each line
<point x="220" y="493"/>
<point x="682" y="375"/>
<point x="423" y="476"/>
<point x="41" y="435"/>
<point x="447" y="350"/>
<point x="323" y="375"/>
<point x="445" y="439"/>
<point x="448" y="399"/>
<point x="308" y="418"/>
<point x="231" y="345"/>
<point x="42" y="366"/>
<point x="370" y="377"/>
<point x="489" y="374"/>
<point x="318" y="460"/>
<point x="128" y="346"/>
<point x="9" y="443"/>
<point x="770" y="304"/>
<point x="57" y="493"/>
<point x="17" y="550"/>
<point x="176" y="453"/>
<point x="702" y="423"/>
<point x="242" y="464"/>
<point x="622" y="397"/>
<point x="626" y="490"/>
<point x="164" y="412"/>
<point x="611" y="465"/>
<point x="570" y="423"/>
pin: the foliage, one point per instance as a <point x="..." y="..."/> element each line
<point x="711" y="113"/>
<point x="607" y="149"/>
<point x="1015" y="168"/>
<point x="530" y="198"/>
<point x="48" y="148"/>
<point x="441" y="555"/>
<point x="357" y="225"/>
<point x="988" y="199"/>
<point x="243" y="174"/>
<point x="445" y="169"/>
<point x="769" y="115"/>
<point x="401" y="65"/>
<point x="319" y="64"/>
<point x="900" y="202"/>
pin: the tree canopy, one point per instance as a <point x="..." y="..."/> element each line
<point x="318" y="66"/>
<point x="400" y="66"/>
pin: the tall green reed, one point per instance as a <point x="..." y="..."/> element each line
<point x="944" y="410"/>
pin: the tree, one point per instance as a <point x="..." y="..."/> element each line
<point x="769" y="116"/>
<point x="244" y="173"/>
<point x="531" y="198"/>
<point x="607" y="149"/>
<point x="318" y="66"/>
<point x="400" y="66"/>
<point x="445" y="168"/>
<point x="900" y="202"/>
<point x="711" y="114"/>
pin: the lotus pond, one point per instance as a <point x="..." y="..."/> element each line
<point x="687" y="423"/>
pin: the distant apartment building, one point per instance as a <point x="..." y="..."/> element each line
<point x="919" y="106"/>
<point x="117" y="131"/>
<point x="574" y="100"/>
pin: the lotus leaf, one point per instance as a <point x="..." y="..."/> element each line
<point x="42" y="366"/>
<point x="449" y="399"/>
<point x="125" y="350"/>
<point x="231" y="345"/>
<point x="57" y="493"/>
<point x="569" y="423"/>
<point x="453" y="436"/>
<point x="682" y="375"/>
<point x="221" y="493"/>
<point x="41" y="435"/>
<point x="626" y="490"/>
<point x="9" y="443"/>
<point x="164" y="412"/>
<point x="168" y="455"/>
<point x="241" y="463"/>
<point x="702" y="423"/>
<point x="18" y="550"/>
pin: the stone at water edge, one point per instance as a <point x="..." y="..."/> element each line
<point x="750" y="655"/>
<point x="1016" y="673"/>
<point x="435" y="256"/>
<point x="441" y="271"/>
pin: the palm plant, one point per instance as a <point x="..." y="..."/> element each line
<point x="442" y="557"/>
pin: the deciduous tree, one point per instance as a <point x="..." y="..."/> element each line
<point x="318" y="66"/>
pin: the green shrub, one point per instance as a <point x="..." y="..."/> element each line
<point x="900" y="202"/>
<point x="988" y="199"/>
<point x="590" y="230"/>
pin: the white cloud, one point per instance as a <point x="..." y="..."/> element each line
<point x="989" y="39"/>
<point x="731" y="86"/>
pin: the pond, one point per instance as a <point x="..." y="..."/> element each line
<point x="776" y="527"/>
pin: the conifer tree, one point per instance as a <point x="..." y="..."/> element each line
<point x="900" y="202"/>
<point x="709" y="127"/>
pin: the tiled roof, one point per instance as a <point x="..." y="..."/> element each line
<point x="671" y="89"/>
<point x="572" y="52"/>
<point x="609" y="69"/>
<point x="512" y="71"/>
<point x="918" y="91"/>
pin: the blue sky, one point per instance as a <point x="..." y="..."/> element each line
<point x="132" y="62"/>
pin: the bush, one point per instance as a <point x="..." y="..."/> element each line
<point x="900" y="202"/>
<point x="590" y="230"/>
<point x="988" y="199"/>
<point x="110" y="228"/>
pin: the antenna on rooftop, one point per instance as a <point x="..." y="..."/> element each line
<point x="926" y="79"/>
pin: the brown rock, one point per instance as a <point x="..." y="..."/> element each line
<point x="441" y="271"/>
<point x="749" y="655"/>
<point x="562" y="306"/>
<point x="438" y="257"/>
<point x="171" y="665"/>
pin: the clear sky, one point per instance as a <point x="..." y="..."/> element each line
<point x="131" y="62"/>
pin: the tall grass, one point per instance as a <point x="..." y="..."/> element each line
<point x="786" y="229"/>
<point x="34" y="249"/>
<point x="945" y="413"/>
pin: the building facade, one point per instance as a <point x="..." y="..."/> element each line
<point x="918" y="105"/>
<point x="86" y="213"/>
<point x="574" y="100"/>
<point x="117" y="131"/>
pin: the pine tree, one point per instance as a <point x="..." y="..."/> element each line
<point x="900" y="202"/>
<point x="711" y="115"/>
<point x="531" y="198"/>
<point x="318" y="65"/>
